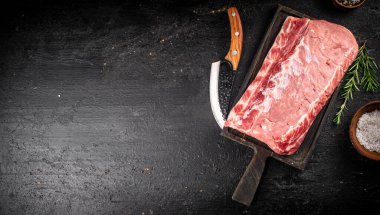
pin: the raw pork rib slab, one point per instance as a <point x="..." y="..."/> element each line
<point x="300" y="72"/>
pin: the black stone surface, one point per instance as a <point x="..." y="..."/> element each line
<point x="105" y="110"/>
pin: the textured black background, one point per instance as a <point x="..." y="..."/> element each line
<point x="105" y="110"/>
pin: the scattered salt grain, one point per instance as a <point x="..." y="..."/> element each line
<point x="368" y="130"/>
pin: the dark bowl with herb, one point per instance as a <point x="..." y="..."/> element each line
<point x="348" y="4"/>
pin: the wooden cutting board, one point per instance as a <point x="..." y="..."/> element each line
<point x="248" y="184"/>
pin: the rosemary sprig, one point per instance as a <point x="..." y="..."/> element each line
<point x="351" y="81"/>
<point x="369" y="80"/>
<point x="365" y="67"/>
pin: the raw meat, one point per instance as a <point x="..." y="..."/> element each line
<point x="300" y="72"/>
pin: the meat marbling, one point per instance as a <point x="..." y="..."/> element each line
<point x="299" y="74"/>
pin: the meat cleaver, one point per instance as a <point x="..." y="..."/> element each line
<point x="230" y="62"/>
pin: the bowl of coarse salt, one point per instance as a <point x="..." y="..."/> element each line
<point x="365" y="130"/>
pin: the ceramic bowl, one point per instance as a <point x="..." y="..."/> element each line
<point x="369" y="107"/>
<point x="340" y="5"/>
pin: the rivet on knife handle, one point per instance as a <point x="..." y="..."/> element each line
<point x="236" y="38"/>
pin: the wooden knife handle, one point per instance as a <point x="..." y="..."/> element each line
<point x="246" y="189"/>
<point x="236" y="38"/>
